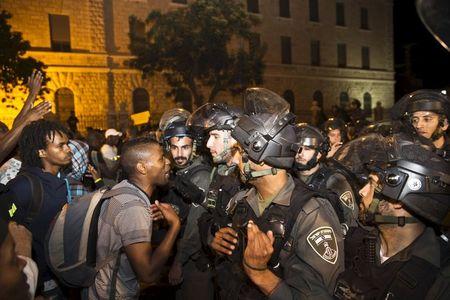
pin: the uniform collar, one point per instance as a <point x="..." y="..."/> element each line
<point x="282" y="198"/>
<point x="426" y="246"/>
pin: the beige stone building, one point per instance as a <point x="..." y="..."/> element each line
<point x="327" y="50"/>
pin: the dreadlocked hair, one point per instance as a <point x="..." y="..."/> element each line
<point x="35" y="136"/>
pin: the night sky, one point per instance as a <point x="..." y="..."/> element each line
<point x="429" y="60"/>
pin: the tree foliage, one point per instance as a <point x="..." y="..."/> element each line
<point x="203" y="47"/>
<point x="15" y="68"/>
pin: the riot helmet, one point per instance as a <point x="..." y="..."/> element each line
<point x="336" y="124"/>
<point x="265" y="131"/>
<point x="423" y="100"/>
<point x="173" y="124"/>
<point x="423" y="187"/>
<point x="310" y="137"/>
<point x="408" y="172"/>
<point x="385" y="128"/>
<point x="215" y="116"/>
<point x="434" y="15"/>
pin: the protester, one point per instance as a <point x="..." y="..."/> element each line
<point x="126" y="221"/>
<point x="43" y="152"/>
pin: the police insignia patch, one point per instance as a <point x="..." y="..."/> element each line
<point x="347" y="199"/>
<point x="323" y="242"/>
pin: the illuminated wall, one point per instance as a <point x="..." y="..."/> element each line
<point x="102" y="85"/>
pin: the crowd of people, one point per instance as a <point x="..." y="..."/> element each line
<point x="228" y="203"/>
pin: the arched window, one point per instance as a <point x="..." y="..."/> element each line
<point x="317" y="96"/>
<point x="367" y="104"/>
<point x="288" y="95"/>
<point x="184" y="97"/>
<point x="343" y="100"/>
<point x="64" y="103"/>
<point x="141" y="101"/>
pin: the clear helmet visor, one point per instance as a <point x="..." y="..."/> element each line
<point x="270" y="106"/>
<point x="435" y="16"/>
<point x="176" y="115"/>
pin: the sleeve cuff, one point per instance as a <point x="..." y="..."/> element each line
<point x="281" y="292"/>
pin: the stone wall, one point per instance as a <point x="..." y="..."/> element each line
<point x="97" y="74"/>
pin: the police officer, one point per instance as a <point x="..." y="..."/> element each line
<point x="216" y="120"/>
<point x="190" y="180"/>
<point x="427" y="114"/>
<point x="310" y="168"/>
<point x="407" y="198"/>
<point x="336" y="131"/>
<point x="284" y="242"/>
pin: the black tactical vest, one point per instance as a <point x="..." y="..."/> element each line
<point x="232" y="281"/>
<point x="364" y="279"/>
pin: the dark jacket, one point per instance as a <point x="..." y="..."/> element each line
<point x="54" y="197"/>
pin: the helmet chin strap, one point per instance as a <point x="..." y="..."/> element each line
<point x="249" y="174"/>
<point x="309" y="165"/>
<point x="371" y="217"/>
<point x="221" y="157"/>
<point x="437" y="134"/>
<point x="225" y="170"/>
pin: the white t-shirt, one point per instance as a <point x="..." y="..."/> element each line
<point x="31" y="272"/>
<point x="108" y="151"/>
<point x="382" y="257"/>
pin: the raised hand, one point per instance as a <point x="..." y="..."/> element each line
<point x="168" y="213"/>
<point x="35" y="83"/>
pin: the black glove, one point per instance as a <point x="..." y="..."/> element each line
<point x="189" y="191"/>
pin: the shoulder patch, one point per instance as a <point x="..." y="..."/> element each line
<point x="323" y="241"/>
<point x="347" y="199"/>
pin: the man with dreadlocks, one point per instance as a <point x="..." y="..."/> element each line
<point x="40" y="190"/>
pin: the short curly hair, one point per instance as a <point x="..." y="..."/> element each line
<point x="34" y="137"/>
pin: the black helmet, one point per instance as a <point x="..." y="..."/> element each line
<point x="266" y="132"/>
<point x="421" y="100"/>
<point x="423" y="188"/>
<point x="385" y="128"/>
<point x="311" y="137"/>
<point x="408" y="172"/>
<point x="173" y="124"/>
<point x="214" y="116"/>
<point x="334" y="123"/>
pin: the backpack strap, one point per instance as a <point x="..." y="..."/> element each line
<point x="37" y="196"/>
<point x="104" y="195"/>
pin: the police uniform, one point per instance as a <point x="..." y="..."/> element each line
<point x="328" y="179"/>
<point x="220" y="191"/>
<point x="197" y="284"/>
<point x="444" y="151"/>
<point x="308" y="250"/>
<point x="420" y="271"/>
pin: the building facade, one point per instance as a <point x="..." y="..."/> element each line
<point x="326" y="50"/>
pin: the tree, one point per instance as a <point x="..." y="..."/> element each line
<point x="197" y="48"/>
<point x="15" y="68"/>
